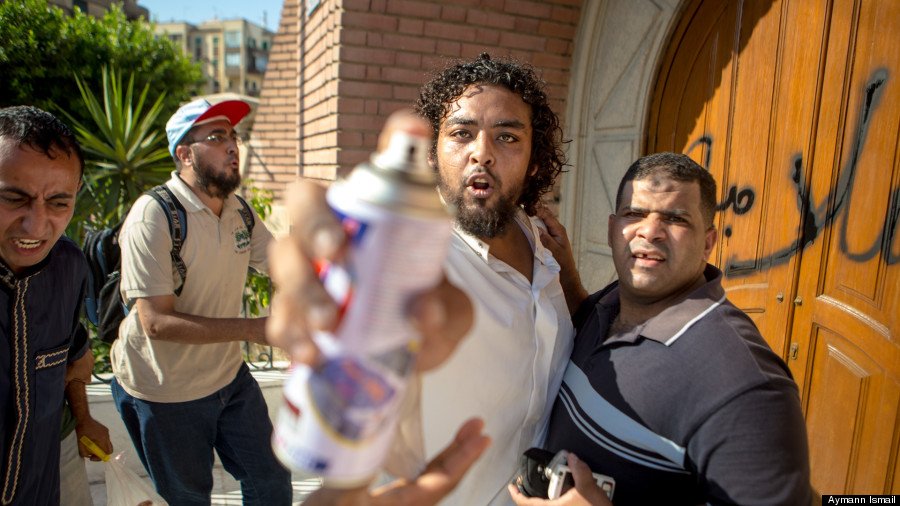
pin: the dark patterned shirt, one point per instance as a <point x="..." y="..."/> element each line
<point x="39" y="325"/>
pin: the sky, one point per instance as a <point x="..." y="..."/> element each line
<point x="198" y="11"/>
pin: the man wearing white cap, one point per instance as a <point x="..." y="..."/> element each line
<point x="180" y="383"/>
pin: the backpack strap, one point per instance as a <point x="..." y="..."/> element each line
<point x="177" y="218"/>
<point x="246" y="214"/>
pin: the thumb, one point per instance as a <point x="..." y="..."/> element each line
<point x="585" y="483"/>
<point x="465" y="449"/>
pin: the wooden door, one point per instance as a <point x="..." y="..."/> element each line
<point x="793" y="105"/>
<point x="708" y="106"/>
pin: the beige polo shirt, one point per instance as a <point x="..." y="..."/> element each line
<point x="217" y="253"/>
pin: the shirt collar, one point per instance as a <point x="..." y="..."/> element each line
<point x="8" y="278"/>
<point x="674" y="321"/>
<point x="528" y="225"/>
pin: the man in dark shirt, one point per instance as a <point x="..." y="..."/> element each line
<point x="42" y="280"/>
<point x="670" y="389"/>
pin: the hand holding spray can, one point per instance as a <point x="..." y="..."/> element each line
<point x="338" y="418"/>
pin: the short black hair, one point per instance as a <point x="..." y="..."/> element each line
<point x="679" y="168"/>
<point x="39" y="130"/>
<point x="438" y="95"/>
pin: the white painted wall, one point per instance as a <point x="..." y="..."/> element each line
<point x="617" y="50"/>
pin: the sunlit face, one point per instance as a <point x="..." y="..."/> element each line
<point x="483" y="157"/>
<point x="216" y="165"/>
<point x="659" y="241"/>
<point x="37" y="200"/>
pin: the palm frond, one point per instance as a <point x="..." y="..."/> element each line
<point x="125" y="154"/>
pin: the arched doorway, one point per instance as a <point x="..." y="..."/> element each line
<point x="793" y="106"/>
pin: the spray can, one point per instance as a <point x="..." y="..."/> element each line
<point x="338" y="418"/>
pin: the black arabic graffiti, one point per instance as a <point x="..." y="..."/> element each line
<point x="816" y="218"/>
<point x="739" y="201"/>
<point x="706" y="140"/>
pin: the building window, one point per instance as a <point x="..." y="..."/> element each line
<point x="232" y="38"/>
<point x="261" y="62"/>
<point x="233" y="60"/>
<point x="81" y="4"/>
<point x="251" y="42"/>
<point x="265" y="45"/>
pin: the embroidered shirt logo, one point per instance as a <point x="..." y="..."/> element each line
<point x="241" y="239"/>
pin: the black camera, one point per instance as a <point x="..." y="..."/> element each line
<point x="545" y="475"/>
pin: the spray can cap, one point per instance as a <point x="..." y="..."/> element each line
<point x="408" y="154"/>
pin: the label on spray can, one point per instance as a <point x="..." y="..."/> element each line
<point x="338" y="418"/>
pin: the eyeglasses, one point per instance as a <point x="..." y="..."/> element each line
<point x="219" y="139"/>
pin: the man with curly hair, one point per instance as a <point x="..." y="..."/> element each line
<point x="497" y="150"/>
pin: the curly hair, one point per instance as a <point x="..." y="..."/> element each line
<point x="438" y="95"/>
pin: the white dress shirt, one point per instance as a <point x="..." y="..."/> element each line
<point x="508" y="369"/>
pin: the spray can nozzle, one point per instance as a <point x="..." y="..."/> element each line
<point x="409" y="154"/>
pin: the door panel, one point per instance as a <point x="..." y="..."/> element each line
<point x="849" y="277"/>
<point x="853" y="402"/>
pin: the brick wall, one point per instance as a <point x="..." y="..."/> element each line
<point x="274" y="154"/>
<point x="337" y="72"/>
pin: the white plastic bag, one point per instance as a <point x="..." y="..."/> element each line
<point x="124" y="488"/>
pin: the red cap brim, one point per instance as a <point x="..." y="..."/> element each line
<point x="234" y="110"/>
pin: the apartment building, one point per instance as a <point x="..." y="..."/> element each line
<point x="97" y="8"/>
<point x="233" y="53"/>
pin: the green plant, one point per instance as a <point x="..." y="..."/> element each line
<point x="102" y="363"/>
<point x="260" y="198"/>
<point x="45" y="55"/>
<point x="41" y="49"/>
<point x="258" y="288"/>
<point x="124" y="153"/>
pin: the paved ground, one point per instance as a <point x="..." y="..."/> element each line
<point x="226" y="491"/>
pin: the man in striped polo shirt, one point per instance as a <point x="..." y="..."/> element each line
<point x="670" y="389"/>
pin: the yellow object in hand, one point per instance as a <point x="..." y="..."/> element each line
<point x="92" y="446"/>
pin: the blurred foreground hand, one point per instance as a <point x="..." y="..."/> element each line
<point x="301" y="305"/>
<point x="439" y="478"/>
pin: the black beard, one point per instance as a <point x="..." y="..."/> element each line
<point x="217" y="184"/>
<point x="484" y="222"/>
<point x="481" y="220"/>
